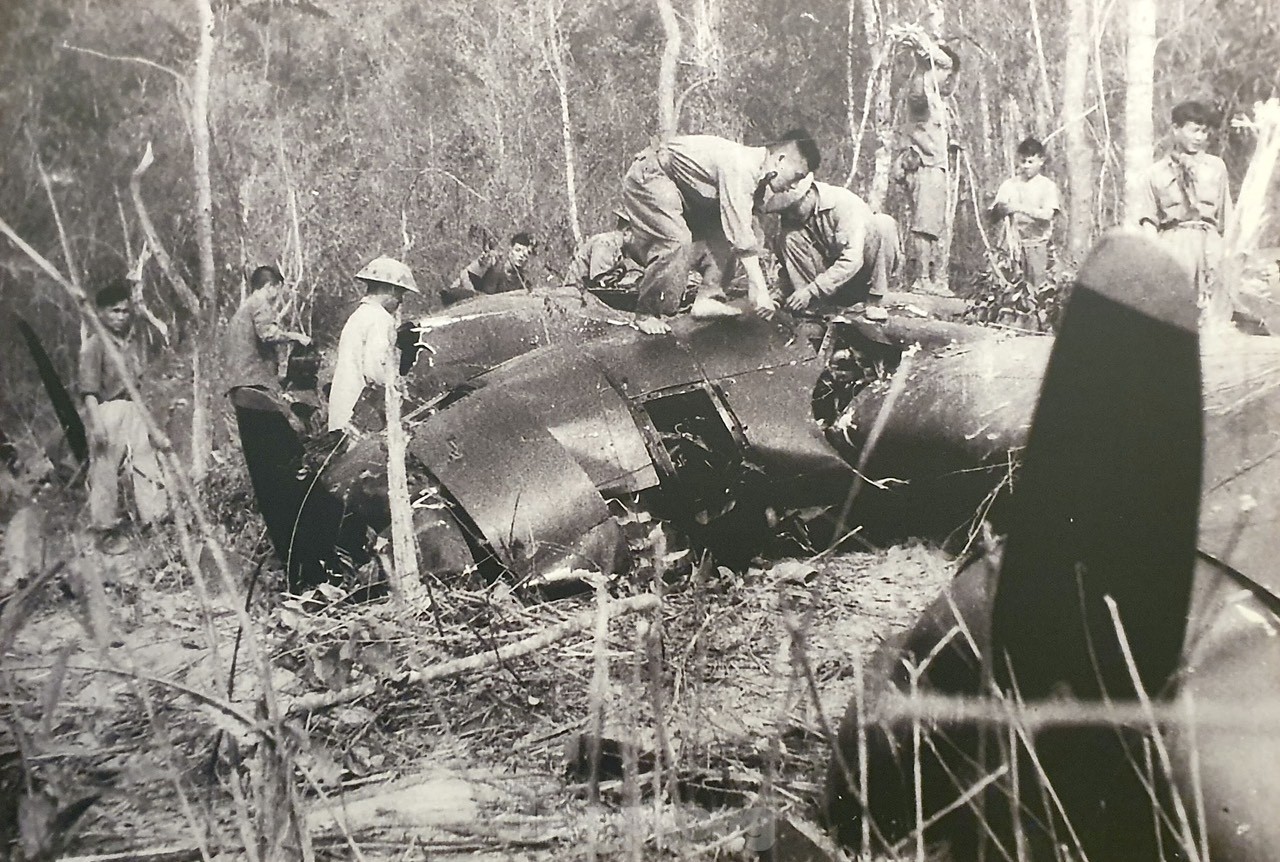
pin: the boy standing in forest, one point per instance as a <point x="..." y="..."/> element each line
<point x="1186" y="201"/>
<point x="924" y="167"/>
<point x="704" y="187"/>
<point x="365" y="346"/>
<point x="117" y="429"/>
<point x="1028" y="203"/>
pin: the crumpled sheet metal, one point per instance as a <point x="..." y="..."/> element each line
<point x="530" y="499"/>
<point x="575" y="399"/>
<point x="478" y="334"/>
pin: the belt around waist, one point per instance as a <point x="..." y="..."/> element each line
<point x="1195" y="224"/>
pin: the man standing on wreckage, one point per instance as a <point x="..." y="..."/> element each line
<point x="703" y="187"/>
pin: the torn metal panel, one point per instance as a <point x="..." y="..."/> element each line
<point x="578" y="403"/>
<point x="640" y="364"/>
<point x="533" y="503"/>
<point x="481" y="333"/>
<point x="1240" y="520"/>
<point x="766" y="373"/>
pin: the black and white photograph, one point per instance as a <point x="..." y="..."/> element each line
<point x="618" y="430"/>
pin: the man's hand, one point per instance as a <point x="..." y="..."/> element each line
<point x="300" y="339"/>
<point x="95" y="428"/>
<point x="652" y="325"/>
<point x="800" y="299"/>
<point x="765" y="305"/>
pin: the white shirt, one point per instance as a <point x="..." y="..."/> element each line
<point x="364" y="356"/>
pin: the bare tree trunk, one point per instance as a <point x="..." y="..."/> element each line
<point x="1079" y="161"/>
<point x="201" y="430"/>
<point x="1138" y="101"/>
<point x="555" y="61"/>
<point x="200" y="147"/>
<point x="1044" y="110"/>
<point x="405" y="578"/>
<point x="667" y="71"/>
<point x="882" y="69"/>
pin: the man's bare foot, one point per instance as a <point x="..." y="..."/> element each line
<point x="652" y="326"/>
<point x="706" y="307"/>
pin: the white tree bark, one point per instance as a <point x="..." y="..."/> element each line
<point x="668" y="70"/>
<point x="405" y="578"/>
<point x="1081" y="184"/>
<point x="201" y="430"/>
<point x="1139" y="99"/>
<point x="555" y="61"/>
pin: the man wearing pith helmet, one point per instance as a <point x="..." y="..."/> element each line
<point x="365" y="346"/>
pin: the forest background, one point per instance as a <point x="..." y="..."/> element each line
<point x="317" y="135"/>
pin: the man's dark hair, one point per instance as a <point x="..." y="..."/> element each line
<point x="264" y="275"/>
<point x="1194" y="112"/>
<point x="117" y="291"/>
<point x="1030" y="147"/>
<point x="805" y="143"/>
<point x="955" y="59"/>
<point x="522" y="238"/>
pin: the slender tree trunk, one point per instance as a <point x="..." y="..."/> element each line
<point x="555" y="60"/>
<point x="882" y="69"/>
<point x="1079" y="157"/>
<point x="667" y="71"/>
<point x="405" y="578"/>
<point x="1138" y="102"/>
<point x="201" y="430"/>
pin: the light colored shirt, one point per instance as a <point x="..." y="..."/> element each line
<point x="249" y="347"/>
<point x="364" y="357"/>
<point x="1037" y="200"/>
<point x="711" y="171"/>
<point x="597" y="255"/>
<point x="838" y="228"/>
<point x="1185" y="187"/>
<point x="98" y="374"/>
<point x="928" y="129"/>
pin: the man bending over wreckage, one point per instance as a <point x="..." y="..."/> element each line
<point x="703" y="187"/>
<point x="833" y="251"/>
<point x="364" y="348"/>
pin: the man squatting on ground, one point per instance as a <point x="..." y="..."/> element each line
<point x="494" y="271"/>
<point x="924" y="168"/>
<point x="703" y="187"/>
<point x="607" y="258"/>
<point x="118" y="438"/>
<point x="365" y="353"/>
<point x="1027" y="203"/>
<point x="255" y="333"/>
<point x="834" y="252"/>
<point x="1186" y="202"/>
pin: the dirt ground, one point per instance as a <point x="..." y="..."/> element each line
<point x="120" y="695"/>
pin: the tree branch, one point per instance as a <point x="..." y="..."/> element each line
<point x="190" y="301"/>
<point x="143" y="61"/>
<point x="533" y="643"/>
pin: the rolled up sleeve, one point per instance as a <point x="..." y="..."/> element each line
<point x="736" y="186"/>
<point x="849" y="234"/>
